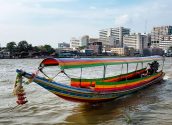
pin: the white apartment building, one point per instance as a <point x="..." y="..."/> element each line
<point x="113" y="37"/>
<point x="104" y="37"/>
<point x="74" y="43"/>
<point x="82" y="41"/>
<point x="162" y="33"/>
<point x="136" y="41"/>
<point x="165" y="44"/>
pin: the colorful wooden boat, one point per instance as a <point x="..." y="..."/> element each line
<point x="99" y="89"/>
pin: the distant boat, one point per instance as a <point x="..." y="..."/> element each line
<point x="98" y="89"/>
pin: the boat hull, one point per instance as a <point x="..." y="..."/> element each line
<point x="88" y="95"/>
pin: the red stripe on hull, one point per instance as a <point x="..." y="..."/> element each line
<point x="84" y="100"/>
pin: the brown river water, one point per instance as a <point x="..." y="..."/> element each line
<point x="150" y="106"/>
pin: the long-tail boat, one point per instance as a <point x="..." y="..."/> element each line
<point x="93" y="90"/>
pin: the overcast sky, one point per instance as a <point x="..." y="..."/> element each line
<point x="52" y="21"/>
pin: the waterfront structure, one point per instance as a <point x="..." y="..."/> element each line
<point x="153" y="51"/>
<point x="136" y="41"/>
<point x="113" y="37"/>
<point x="159" y="34"/>
<point x="66" y="52"/>
<point x="74" y="43"/>
<point x="63" y="45"/>
<point x="96" y="47"/>
<point x="87" y="52"/>
<point x="119" y="51"/>
<point x="4" y="54"/>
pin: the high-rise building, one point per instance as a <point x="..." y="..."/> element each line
<point x="74" y="43"/>
<point x="106" y="37"/>
<point x="136" y="41"/>
<point x="118" y="34"/>
<point x="161" y="33"/>
<point x="80" y="42"/>
<point x="113" y="37"/>
<point x="84" y="40"/>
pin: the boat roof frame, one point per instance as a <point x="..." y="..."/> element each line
<point x="69" y="63"/>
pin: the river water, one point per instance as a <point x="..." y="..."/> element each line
<point x="151" y="106"/>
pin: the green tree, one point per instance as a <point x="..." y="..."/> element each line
<point x="45" y="50"/>
<point x="23" y="46"/>
<point x="170" y="49"/>
<point x="30" y="48"/>
<point x="36" y="49"/>
<point x="49" y="49"/>
<point x="130" y="51"/>
<point x="11" y="47"/>
<point x="42" y="48"/>
<point x="82" y="47"/>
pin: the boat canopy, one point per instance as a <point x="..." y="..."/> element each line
<point x="66" y="63"/>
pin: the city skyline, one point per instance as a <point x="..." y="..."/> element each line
<point x="52" y="21"/>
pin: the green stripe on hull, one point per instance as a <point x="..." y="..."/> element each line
<point x="124" y="82"/>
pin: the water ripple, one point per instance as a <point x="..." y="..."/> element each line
<point x="152" y="105"/>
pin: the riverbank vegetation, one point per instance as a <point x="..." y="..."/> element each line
<point x="24" y="49"/>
